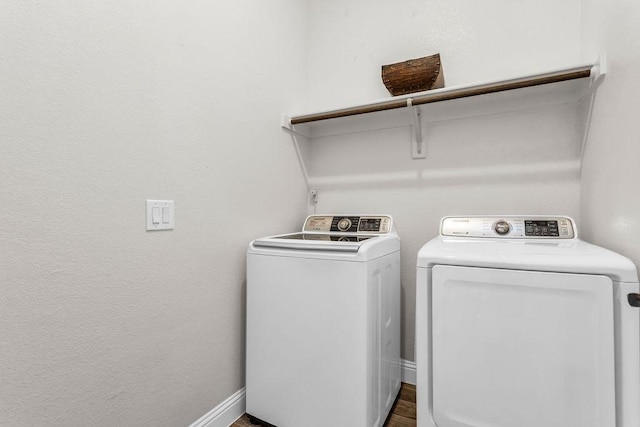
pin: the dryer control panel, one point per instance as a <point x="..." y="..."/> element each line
<point x="510" y="227"/>
<point x="348" y="224"/>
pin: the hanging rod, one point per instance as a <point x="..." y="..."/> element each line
<point x="447" y="94"/>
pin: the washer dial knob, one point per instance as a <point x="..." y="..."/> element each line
<point x="502" y="227"/>
<point x="344" y="224"/>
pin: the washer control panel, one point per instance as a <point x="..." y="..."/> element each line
<point x="348" y="224"/>
<point x="516" y="227"/>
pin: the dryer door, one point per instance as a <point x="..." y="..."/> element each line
<point x="520" y="348"/>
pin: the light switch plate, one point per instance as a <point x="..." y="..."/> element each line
<point x="160" y="215"/>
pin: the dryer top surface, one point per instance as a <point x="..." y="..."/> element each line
<point x="568" y="256"/>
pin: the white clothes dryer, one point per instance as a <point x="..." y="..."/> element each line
<point x="323" y="323"/>
<point x="520" y="323"/>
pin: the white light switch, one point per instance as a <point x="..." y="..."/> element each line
<point x="155" y="215"/>
<point x="160" y="215"/>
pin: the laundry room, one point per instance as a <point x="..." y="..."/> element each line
<point x="107" y="105"/>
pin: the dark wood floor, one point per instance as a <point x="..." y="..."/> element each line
<point x="403" y="413"/>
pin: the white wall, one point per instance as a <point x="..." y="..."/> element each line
<point x="105" y="104"/>
<point x="503" y="163"/>
<point x="610" y="204"/>
<point x="477" y="41"/>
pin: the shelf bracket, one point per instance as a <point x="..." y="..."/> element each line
<point x="598" y="73"/>
<point x="295" y="138"/>
<point x="418" y="149"/>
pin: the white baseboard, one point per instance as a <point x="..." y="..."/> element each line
<point x="225" y="413"/>
<point x="234" y="406"/>
<point x="408" y="371"/>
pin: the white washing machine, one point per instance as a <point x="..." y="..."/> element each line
<point x="520" y="323"/>
<point x="323" y="323"/>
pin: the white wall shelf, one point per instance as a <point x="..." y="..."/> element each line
<point x="587" y="74"/>
<point x="570" y="85"/>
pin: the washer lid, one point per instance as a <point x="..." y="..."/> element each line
<point x="344" y="237"/>
<point x="314" y="241"/>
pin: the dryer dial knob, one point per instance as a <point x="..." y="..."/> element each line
<point x="344" y="224"/>
<point x="502" y="227"/>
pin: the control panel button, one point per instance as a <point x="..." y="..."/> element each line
<point x="344" y="224"/>
<point x="502" y="227"/>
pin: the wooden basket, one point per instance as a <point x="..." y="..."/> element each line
<point x="413" y="75"/>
